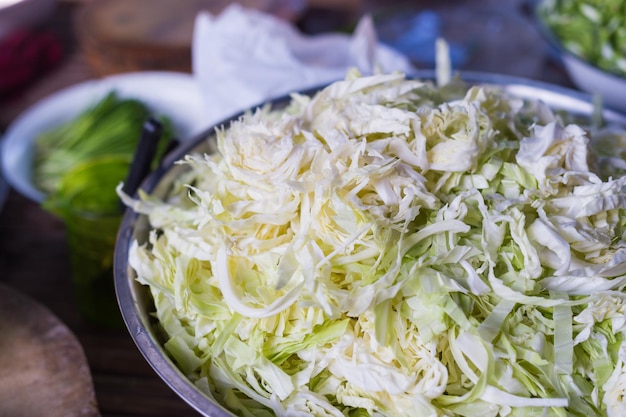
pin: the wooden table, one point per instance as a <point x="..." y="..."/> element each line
<point x="33" y="251"/>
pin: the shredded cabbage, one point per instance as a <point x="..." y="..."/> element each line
<point x="388" y="247"/>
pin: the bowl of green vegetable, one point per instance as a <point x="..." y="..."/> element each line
<point x="590" y="39"/>
<point x="388" y="246"/>
<point x="94" y="118"/>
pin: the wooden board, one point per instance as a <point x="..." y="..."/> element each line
<point x="43" y="370"/>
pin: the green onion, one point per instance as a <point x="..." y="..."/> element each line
<point x="111" y="127"/>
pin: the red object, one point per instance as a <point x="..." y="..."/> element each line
<point x="25" y="55"/>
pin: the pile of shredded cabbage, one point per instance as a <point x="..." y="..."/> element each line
<point x="390" y="247"/>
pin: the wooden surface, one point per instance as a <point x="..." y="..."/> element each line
<point x="43" y="367"/>
<point x="120" y="35"/>
<point x="33" y="252"/>
<point x="34" y="259"/>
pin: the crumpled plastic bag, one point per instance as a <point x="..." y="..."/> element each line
<point x="244" y="57"/>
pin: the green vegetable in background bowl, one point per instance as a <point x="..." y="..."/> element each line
<point x="111" y="127"/>
<point x="593" y="30"/>
<point x="78" y="165"/>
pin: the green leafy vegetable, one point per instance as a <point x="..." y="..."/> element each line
<point x="592" y="29"/>
<point x="89" y="188"/>
<point x="110" y="128"/>
<point x="389" y="247"/>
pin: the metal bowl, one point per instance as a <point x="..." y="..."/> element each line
<point x="135" y="300"/>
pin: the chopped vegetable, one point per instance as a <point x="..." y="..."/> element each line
<point x="592" y="29"/>
<point x="389" y="247"/>
<point x="110" y="128"/>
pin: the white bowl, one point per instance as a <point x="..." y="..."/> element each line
<point x="589" y="78"/>
<point x="173" y="94"/>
